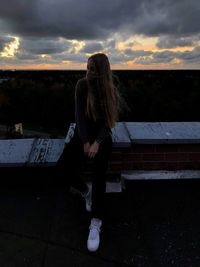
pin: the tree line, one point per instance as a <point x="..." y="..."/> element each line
<point x="46" y="98"/>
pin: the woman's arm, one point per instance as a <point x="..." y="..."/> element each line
<point x="104" y="131"/>
<point x="79" y="113"/>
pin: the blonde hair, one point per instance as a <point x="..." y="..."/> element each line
<point x="102" y="81"/>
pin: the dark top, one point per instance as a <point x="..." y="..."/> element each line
<point x="87" y="129"/>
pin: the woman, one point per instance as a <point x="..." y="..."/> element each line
<point x="97" y="108"/>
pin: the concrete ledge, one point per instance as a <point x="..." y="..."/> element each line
<point x="46" y="151"/>
<point x="164" y="132"/>
<point x="15" y="152"/>
<point x="120" y="135"/>
<point x="160" y="174"/>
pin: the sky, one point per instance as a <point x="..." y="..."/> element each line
<point x="62" y="34"/>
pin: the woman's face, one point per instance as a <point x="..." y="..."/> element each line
<point x="91" y="67"/>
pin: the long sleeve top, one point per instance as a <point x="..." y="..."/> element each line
<point x="86" y="127"/>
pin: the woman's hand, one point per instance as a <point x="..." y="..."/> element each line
<point x="93" y="149"/>
<point x="86" y="148"/>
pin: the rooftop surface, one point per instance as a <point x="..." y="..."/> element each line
<point x="151" y="223"/>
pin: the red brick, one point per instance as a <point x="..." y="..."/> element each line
<point x="173" y="165"/>
<point x="126" y="149"/>
<point x="149" y="165"/>
<point x="167" y="148"/>
<point x="153" y="156"/>
<point x="115" y="166"/>
<point x="189" y="148"/>
<point x="190" y="165"/>
<point x="116" y="149"/>
<point x="196" y="165"/>
<point x="116" y="156"/>
<point x="128" y="165"/>
<point x="138" y="166"/>
<point x="132" y="156"/>
<point x="176" y="156"/>
<point x="161" y="165"/>
<point x="147" y="148"/>
<point x="143" y="147"/>
<point x="194" y="156"/>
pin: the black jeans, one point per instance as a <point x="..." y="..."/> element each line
<point x="71" y="162"/>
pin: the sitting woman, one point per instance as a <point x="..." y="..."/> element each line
<point x="97" y="109"/>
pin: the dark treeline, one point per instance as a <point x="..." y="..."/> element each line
<point x="46" y="98"/>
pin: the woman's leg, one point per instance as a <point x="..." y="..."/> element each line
<point x="71" y="162"/>
<point x="100" y="166"/>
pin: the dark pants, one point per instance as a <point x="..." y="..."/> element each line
<point x="71" y="163"/>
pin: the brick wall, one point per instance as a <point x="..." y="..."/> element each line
<point x="155" y="157"/>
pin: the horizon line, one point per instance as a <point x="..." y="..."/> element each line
<point x="86" y="70"/>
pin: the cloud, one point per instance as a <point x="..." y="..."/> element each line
<point x="50" y="26"/>
<point x="79" y="58"/>
<point x="191" y="56"/>
<point x="159" y="17"/>
<point x="172" y="41"/>
<point x="44" y="45"/>
<point x="136" y="53"/>
<point x="75" y="19"/>
<point x="92" y="47"/>
<point x="25" y="56"/>
<point x="87" y="19"/>
<point x="4" y="40"/>
<point x="187" y="57"/>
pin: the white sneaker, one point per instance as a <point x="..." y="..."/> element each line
<point x="88" y="198"/>
<point x="94" y="238"/>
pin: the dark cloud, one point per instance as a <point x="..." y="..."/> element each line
<point x="191" y="56"/>
<point x="136" y="53"/>
<point x="156" y="57"/>
<point x="78" y="19"/>
<point x="92" y="47"/>
<point x="158" y="17"/>
<point x="44" y="45"/>
<point x="77" y="58"/>
<point x="46" y="26"/>
<point x="171" y="41"/>
<point x="116" y="59"/>
<point x="187" y="57"/>
<point x="71" y="19"/>
<point x="25" y="56"/>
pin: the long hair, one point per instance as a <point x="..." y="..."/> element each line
<point x="101" y="80"/>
